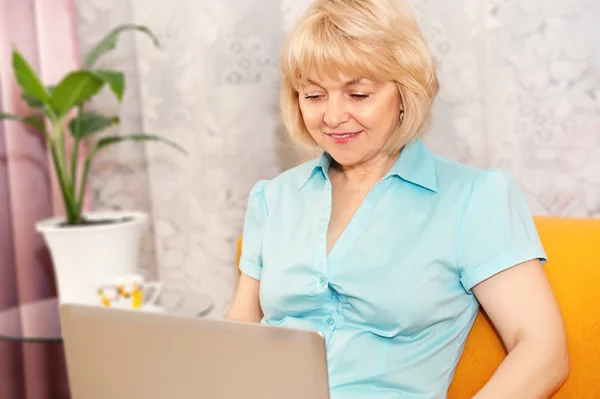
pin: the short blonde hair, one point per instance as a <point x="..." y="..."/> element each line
<point x="373" y="39"/>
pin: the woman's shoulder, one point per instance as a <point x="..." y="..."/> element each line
<point x="479" y="192"/>
<point x="453" y="174"/>
<point x="289" y="180"/>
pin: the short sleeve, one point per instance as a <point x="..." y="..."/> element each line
<point x="496" y="230"/>
<point x="254" y="228"/>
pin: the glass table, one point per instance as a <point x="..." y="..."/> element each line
<point x="39" y="321"/>
<point x="35" y="330"/>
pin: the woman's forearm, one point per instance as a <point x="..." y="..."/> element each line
<point x="532" y="370"/>
<point x="246" y="303"/>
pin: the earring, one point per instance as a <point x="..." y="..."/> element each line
<point x="401" y="115"/>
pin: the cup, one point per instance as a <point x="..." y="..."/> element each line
<point x="130" y="292"/>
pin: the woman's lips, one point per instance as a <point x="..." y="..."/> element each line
<point x="345" y="137"/>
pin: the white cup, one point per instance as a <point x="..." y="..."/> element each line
<point x="130" y="292"/>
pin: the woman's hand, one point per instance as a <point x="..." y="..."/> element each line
<point x="521" y="305"/>
<point x="246" y="304"/>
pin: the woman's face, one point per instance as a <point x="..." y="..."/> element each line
<point x="352" y="120"/>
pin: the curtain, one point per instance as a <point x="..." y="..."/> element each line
<point x="44" y="33"/>
<point x="520" y="89"/>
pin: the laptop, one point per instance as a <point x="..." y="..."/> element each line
<point x="117" y="353"/>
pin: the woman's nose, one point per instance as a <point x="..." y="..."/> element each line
<point x="335" y="114"/>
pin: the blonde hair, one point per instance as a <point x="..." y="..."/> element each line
<point x="373" y="39"/>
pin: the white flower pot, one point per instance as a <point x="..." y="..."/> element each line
<point x="86" y="257"/>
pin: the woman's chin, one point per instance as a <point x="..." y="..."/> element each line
<point x="346" y="158"/>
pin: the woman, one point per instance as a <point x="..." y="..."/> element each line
<point x="383" y="246"/>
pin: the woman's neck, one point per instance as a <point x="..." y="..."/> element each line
<point x="368" y="172"/>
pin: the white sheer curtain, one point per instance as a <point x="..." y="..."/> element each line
<point x="520" y="90"/>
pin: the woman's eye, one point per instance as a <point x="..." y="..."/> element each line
<point x="360" y="96"/>
<point x="312" y="97"/>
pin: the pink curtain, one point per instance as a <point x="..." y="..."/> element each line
<point x="44" y="32"/>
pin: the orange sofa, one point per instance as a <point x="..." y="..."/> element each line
<point x="573" y="268"/>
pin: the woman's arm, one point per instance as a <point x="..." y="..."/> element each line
<point x="246" y="304"/>
<point x="522" y="307"/>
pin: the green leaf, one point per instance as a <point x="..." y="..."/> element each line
<point x="31" y="101"/>
<point x="32" y="120"/>
<point x="90" y="123"/>
<point x="34" y="102"/>
<point x="10" y="117"/>
<point x="28" y="80"/>
<point x="109" y="42"/>
<point x="115" y="80"/>
<point x="110" y="140"/>
<point x="74" y="89"/>
<point x="36" y="121"/>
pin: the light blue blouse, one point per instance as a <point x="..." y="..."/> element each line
<point x="393" y="298"/>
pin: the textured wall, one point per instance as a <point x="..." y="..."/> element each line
<point x="520" y="90"/>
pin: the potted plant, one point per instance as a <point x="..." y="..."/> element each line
<point x="87" y="249"/>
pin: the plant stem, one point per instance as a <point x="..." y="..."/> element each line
<point x="59" y="145"/>
<point x="58" y="157"/>
<point x="75" y="155"/>
<point x="71" y="218"/>
<point x="84" y="176"/>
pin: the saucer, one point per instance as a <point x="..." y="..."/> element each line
<point x="146" y="308"/>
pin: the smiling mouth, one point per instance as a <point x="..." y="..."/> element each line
<point x="344" y="138"/>
<point x="343" y="135"/>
